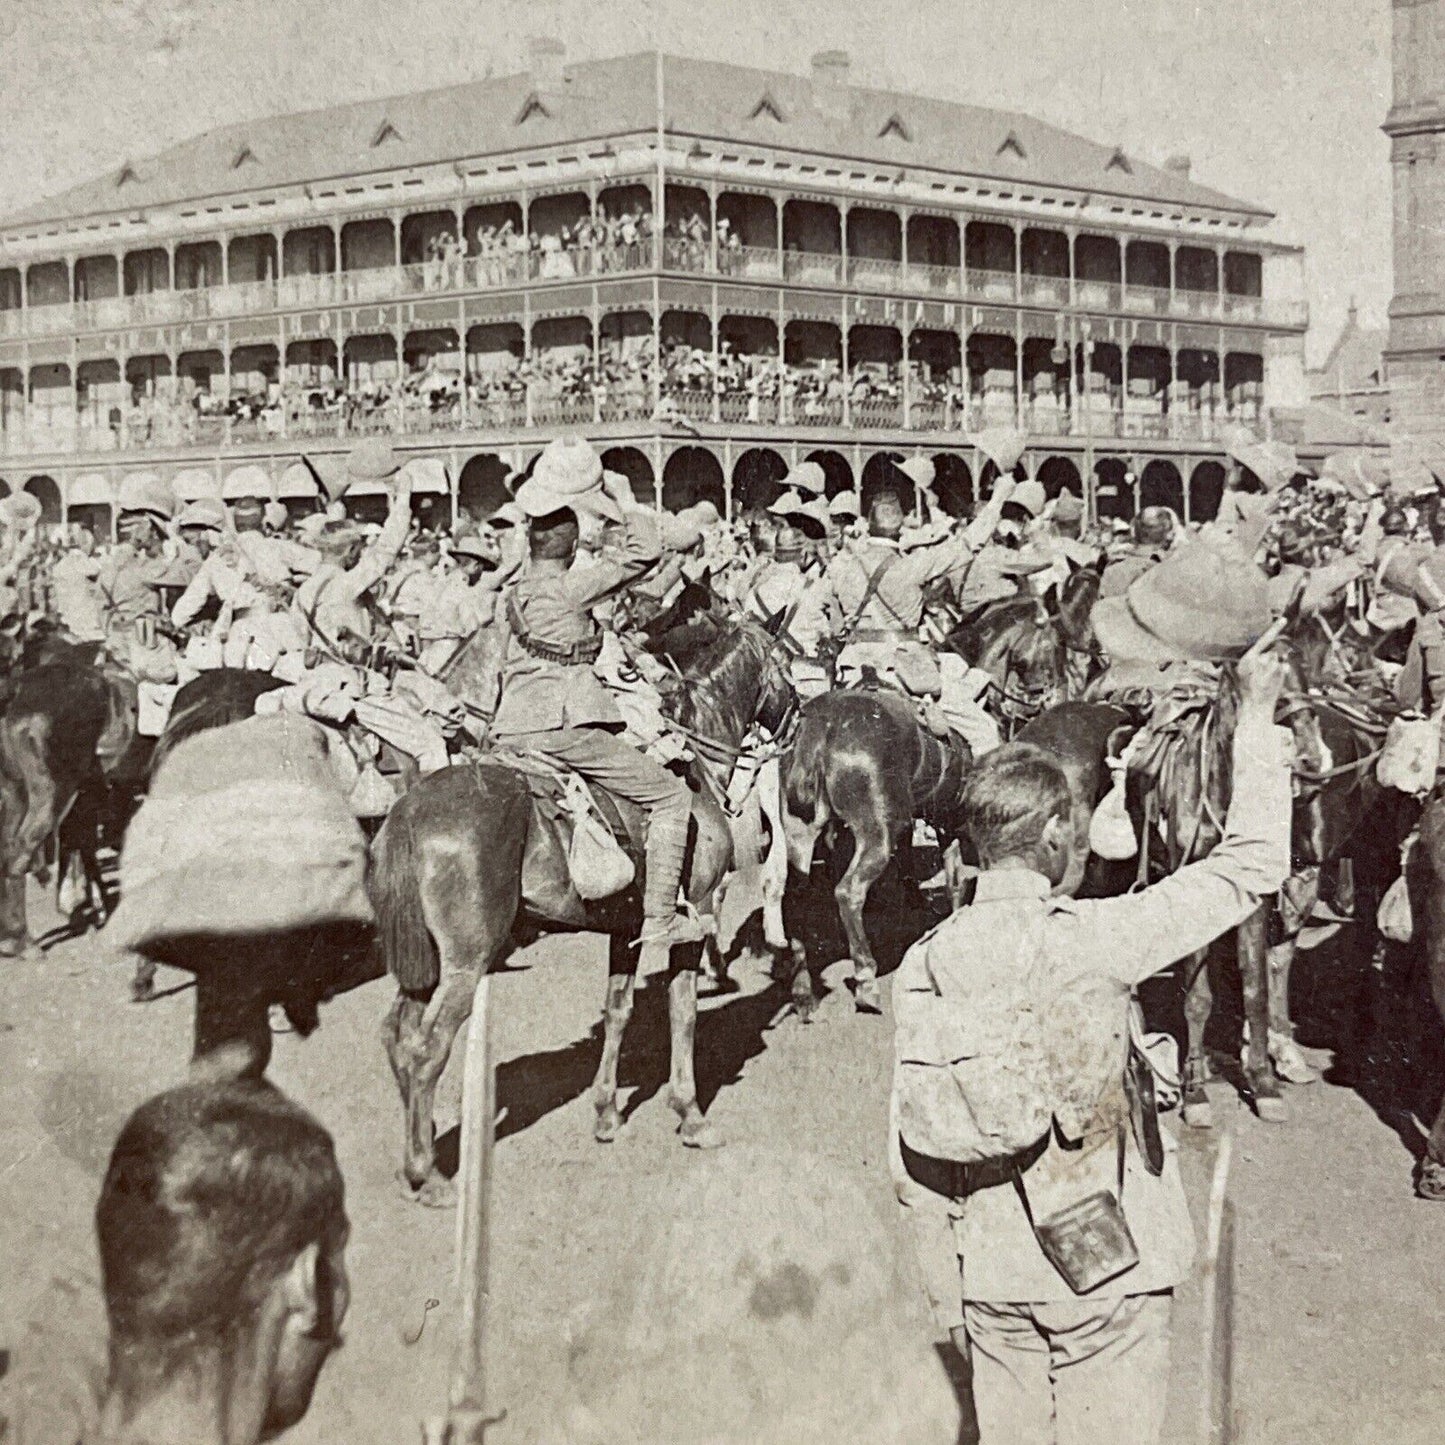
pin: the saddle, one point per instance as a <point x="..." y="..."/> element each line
<point x="926" y="711"/>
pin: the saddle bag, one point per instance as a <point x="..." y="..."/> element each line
<point x="1411" y="755"/>
<point x="596" y="861"/>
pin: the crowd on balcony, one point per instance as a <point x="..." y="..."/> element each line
<point x="499" y="254"/>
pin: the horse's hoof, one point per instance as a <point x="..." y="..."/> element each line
<point x="1198" y="1113"/>
<point x="609" y="1124"/>
<point x="434" y="1192"/>
<point x="866" y="998"/>
<point x="1289" y="1061"/>
<point x="700" y="1134"/>
<point x="1270" y="1108"/>
<point x="1430" y="1181"/>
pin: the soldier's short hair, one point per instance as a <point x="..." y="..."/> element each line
<point x="212" y="1191"/>
<point x="553" y="535"/>
<point x="1009" y="798"/>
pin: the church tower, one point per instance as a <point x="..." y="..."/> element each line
<point x="1416" y="127"/>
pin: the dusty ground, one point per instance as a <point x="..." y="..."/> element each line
<point x="1337" y="1330"/>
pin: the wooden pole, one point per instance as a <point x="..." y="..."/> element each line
<point x="467" y="1418"/>
<point x="1216" y="1404"/>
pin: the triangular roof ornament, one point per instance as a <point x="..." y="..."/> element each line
<point x="895" y="125"/>
<point x="768" y="106"/>
<point x="126" y="175"/>
<point x="533" y="105"/>
<point x="244" y="156"/>
<point x="1011" y="142"/>
<point x="384" y="132"/>
<point x="1120" y="162"/>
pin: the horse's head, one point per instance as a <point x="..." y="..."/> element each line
<point x="742" y="678"/>
<point x="1075" y="602"/>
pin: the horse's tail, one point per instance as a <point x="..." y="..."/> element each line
<point x="401" y="926"/>
<point x="804" y="770"/>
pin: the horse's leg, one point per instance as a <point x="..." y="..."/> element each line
<point x="872" y="848"/>
<point x="775" y="860"/>
<point x="621" y="979"/>
<point x="1197" y="1112"/>
<point x="696" y="1131"/>
<point x="1260" y="1083"/>
<point x="1289" y="1063"/>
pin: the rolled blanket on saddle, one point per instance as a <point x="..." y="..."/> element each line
<point x="246" y="831"/>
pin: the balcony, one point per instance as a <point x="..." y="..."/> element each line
<point x="510" y="269"/>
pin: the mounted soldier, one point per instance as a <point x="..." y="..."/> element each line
<point x="552" y="703"/>
<point x="873" y="591"/>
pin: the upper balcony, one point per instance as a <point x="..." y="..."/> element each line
<point x="533" y="243"/>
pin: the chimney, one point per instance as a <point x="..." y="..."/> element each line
<point x="545" y="54"/>
<point x="830" y="83"/>
<point x="1180" y="165"/>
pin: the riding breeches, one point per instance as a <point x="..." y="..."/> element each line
<point x="603" y="758"/>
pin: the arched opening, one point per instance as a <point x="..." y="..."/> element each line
<point x="1162" y="486"/>
<point x="1149" y="370"/>
<point x="747" y="375"/>
<point x="812" y="392"/>
<point x="46" y="491"/>
<point x="933" y="252"/>
<point x="482" y="486"/>
<point x="1059" y="474"/>
<point x="633" y="465"/>
<point x="496" y="392"/>
<point x="624" y="226"/>
<point x="687" y="366"/>
<point x="249" y="258"/>
<point x="624" y="344"/>
<point x="756" y="475"/>
<point x="1045" y="388"/>
<point x="880" y="473"/>
<point x="953" y="482"/>
<point x="875" y="355"/>
<point x="690" y="475"/>
<point x="368" y="245"/>
<point x="95" y="517"/>
<point x="837" y="473"/>
<point x="559" y="225"/>
<point x="1244" y="386"/>
<point x="686" y="228"/>
<point x="1114" y="489"/>
<point x="988" y="255"/>
<point x="1206" y="491"/>
<point x="812" y="241"/>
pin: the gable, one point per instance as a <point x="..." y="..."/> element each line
<point x="533" y="105"/>
<point x="385" y="132"/>
<point x="126" y="175"/>
<point x="768" y="107"/>
<point x="244" y="157"/>
<point x="1012" y="145"/>
<point x="1120" y="162"/>
<point x="895" y="126"/>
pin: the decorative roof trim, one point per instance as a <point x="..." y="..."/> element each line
<point x="244" y="156"/>
<point x="384" y="132"/>
<point x="896" y="125"/>
<point x="126" y="175"/>
<point x="1120" y="162"/>
<point x="1011" y="142"/>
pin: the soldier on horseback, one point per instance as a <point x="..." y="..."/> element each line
<point x="873" y="592"/>
<point x="552" y="703"/>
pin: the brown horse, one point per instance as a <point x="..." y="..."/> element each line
<point x="1183" y="820"/>
<point x="467" y="865"/>
<point x="862" y="761"/>
<point x="1039" y="650"/>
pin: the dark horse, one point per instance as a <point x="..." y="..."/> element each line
<point x="1178" y="814"/>
<point x="1039" y="651"/>
<point x="468" y="865"/>
<point x="861" y="760"/>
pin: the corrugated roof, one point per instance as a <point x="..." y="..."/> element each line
<point x="704" y="99"/>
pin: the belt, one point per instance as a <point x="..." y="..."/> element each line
<point x="884" y="634"/>
<point x="576" y="654"/>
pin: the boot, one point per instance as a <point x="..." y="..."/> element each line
<point x="664" y="924"/>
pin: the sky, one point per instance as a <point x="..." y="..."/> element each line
<point x="1276" y="101"/>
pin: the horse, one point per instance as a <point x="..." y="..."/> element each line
<point x="1038" y="650"/>
<point x="861" y="760"/>
<point x="1335" y="790"/>
<point x="467" y="866"/>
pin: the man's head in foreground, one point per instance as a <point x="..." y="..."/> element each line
<point x="222" y="1230"/>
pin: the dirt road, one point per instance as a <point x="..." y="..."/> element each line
<point x="1337" y="1334"/>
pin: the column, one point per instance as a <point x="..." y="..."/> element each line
<point x="847" y="366"/>
<point x="1173" y="273"/>
<point x="225" y="261"/>
<point x="396" y="220"/>
<point x="712" y="228"/>
<point x="596" y="356"/>
<point x="171" y="264"/>
<point x="965" y="386"/>
<point x="1019" y="369"/>
<point x="656" y="334"/>
<point x="844" y="263"/>
<point x="962" y="224"/>
<point x="906" y="340"/>
<point x="226" y="362"/>
<point x="1072" y="233"/>
<point x="463" y="398"/>
<point x="398" y="337"/>
<point x="903" y="214"/>
<point x="1018" y="261"/>
<point x="1219" y="279"/>
<point x="716" y="340"/>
